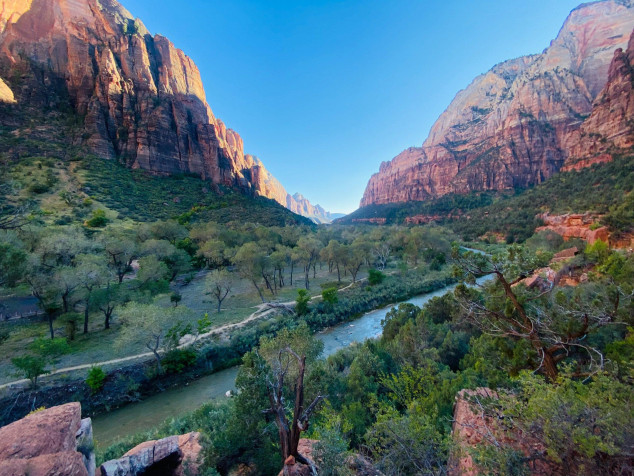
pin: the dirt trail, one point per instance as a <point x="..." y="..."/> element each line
<point x="260" y="312"/>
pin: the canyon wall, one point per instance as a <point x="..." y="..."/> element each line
<point x="141" y="99"/>
<point x="517" y="124"/>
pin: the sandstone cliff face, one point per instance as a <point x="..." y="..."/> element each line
<point x="514" y="125"/>
<point x="142" y="99"/>
<point x="610" y="127"/>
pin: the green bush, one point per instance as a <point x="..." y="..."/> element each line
<point x="96" y="379"/>
<point x="177" y="360"/>
<point x="98" y="219"/>
<point x="375" y="277"/>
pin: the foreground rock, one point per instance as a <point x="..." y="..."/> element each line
<point x="172" y="456"/>
<point x="473" y="427"/>
<point x="55" y="441"/>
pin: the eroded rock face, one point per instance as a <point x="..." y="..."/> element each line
<point x="514" y="125"/>
<point x="473" y="426"/>
<point x="178" y="455"/>
<point x="53" y="441"/>
<point x="610" y="127"/>
<point x="142" y="98"/>
<point x="575" y="225"/>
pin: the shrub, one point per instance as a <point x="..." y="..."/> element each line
<point x="375" y="277"/>
<point x="98" y="219"/>
<point x="177" y="360"/>
<point x="301" y="306"/>
<point x="96" y="379"/>
<point x="31" y="367"/>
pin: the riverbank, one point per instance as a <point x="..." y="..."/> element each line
<point x="138" y="381"/>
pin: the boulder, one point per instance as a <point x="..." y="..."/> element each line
<point x="172" y="456"/>
<point x="55" y="441"/>
<point x="67" y="463"/>
<point x="45" y="432"/>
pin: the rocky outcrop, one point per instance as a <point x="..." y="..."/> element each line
<point x="610" y="127"/>
<point x="53" y="441"/>
<point x="575" y="225"/>
<point x="6" y="95"/>
<point x="142" y="99"/>
<point x="171" y="456"/>
<point x="515" y="125"/>
<point x="474" y="426"/>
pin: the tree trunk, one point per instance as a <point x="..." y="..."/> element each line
<point x="50" y="325"/>
<point x="258" y="288"/>
<point x="108" y="314"/>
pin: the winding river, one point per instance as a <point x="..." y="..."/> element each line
<point x="150" y="412"/>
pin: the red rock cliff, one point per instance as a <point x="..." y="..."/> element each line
<point x="514" y="125"/>
<point x="610" y="127"/>
<point x="142" y="98"/>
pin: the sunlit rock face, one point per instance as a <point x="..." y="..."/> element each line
<point x="515" y="125"/>
<point x="142" y="99"/>
<point x="610" y="128"/>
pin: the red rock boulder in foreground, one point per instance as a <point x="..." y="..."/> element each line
<point x="48" y="442"/>
<point x="178" y="455"/>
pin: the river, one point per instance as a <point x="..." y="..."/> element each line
<point x="152" y="411"/>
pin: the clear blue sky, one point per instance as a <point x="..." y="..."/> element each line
<point x="324" y="91"/>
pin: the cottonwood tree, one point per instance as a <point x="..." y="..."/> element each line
<point x="250" y="262"/>
<point x="556" y="321"/>
<point x="220" y="283"/>
<point x="149" y="324"/>
<point x="381" y="253"/>
<point x="91" y="272"/>
<point x="121" y="249"/>
<point x="354" y="258"/>
<point x="108" y="298"/>
<point x="310" y="247"/>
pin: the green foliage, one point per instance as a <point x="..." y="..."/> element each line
<point x="177" y="360"/>
<point x="12" y="264"/>
<point x="375" y="277"/>
<point x="50" y="349"/>
<point x="330" y="296"/>
<point x="98" y="219"/>
<point x="96" y="379"/>
<point x="579" y="423"/>
<point x="30" y="367"/>
<point x="301" y="303"/>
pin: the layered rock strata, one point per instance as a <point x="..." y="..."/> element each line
<point x="610" y="128"/>
<point x="575" y="225"/>
<point x="141" y="98"/>
<point x="515" y="125"/>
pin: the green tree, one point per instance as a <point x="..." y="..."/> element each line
<point x="31" y="367"/>
<point x="96" y="379"/>
<point x="12" y="264"/>
<point x="330" y="296"/>
<point x="219" y="282"/>
<point x="301" y="303"/>
<point x="150" y="325"/>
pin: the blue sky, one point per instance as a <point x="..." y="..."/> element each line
<point x="324" y="91"/>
